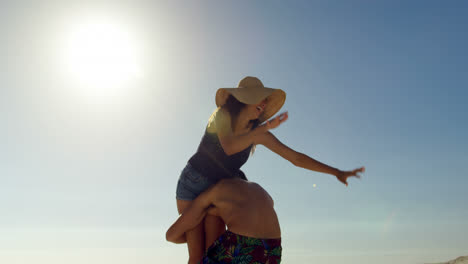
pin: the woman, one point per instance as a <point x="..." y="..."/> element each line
<point x="232" y="132"/>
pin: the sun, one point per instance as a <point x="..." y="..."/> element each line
<point x="101" y="55"/>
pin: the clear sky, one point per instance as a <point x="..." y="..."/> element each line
<point x="103" y="103"/>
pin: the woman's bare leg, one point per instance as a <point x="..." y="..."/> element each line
<point x="214" y="227"/>
<point x="195" y="237"/>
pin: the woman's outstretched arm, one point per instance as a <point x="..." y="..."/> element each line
<point x="304" y="161"/>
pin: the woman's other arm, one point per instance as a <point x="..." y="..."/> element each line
<point x="233" y="144"/>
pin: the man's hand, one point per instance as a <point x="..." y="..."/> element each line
<point x="343" y="176"/>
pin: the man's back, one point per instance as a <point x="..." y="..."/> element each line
<point x="253" y="234"/>
<point x="246" y="208"/>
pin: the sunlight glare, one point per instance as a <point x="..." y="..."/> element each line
<point x="101" y="55"/>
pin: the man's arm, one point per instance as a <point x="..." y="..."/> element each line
<point x="191" y="217"/>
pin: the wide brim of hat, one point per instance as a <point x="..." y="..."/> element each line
<point x="275" y="98"/>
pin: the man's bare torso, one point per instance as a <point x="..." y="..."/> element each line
<point x="246" y="208"/>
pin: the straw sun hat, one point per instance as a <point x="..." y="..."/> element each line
<point x="250" y="90"/>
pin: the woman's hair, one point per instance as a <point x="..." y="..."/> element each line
<point x="234" y="106"/>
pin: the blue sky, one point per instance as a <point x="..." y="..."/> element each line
<point x="88" y="169"/>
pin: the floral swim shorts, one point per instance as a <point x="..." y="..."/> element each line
<point x="236" y="249"/>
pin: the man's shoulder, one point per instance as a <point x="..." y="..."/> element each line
<point x="240" y="185"/>
<point x="232" y="181"/>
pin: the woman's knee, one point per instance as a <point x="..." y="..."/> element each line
<point x="182" y="205"/>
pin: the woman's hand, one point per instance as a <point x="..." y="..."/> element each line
<point x="276" y="121"/>
<point x="343" y="176"/>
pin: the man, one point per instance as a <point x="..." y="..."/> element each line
<point x="253" y="234"/>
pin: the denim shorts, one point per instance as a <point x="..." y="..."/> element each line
<point x="191" y="184"/>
